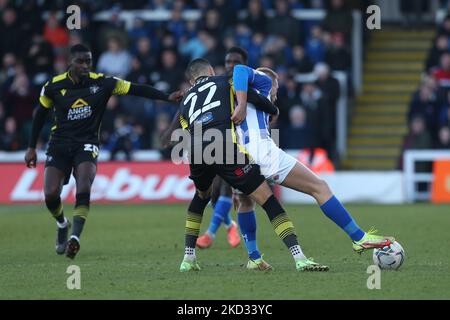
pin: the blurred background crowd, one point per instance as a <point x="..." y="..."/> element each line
<point x="429" y="109"/>
<point x="34" y="42"/>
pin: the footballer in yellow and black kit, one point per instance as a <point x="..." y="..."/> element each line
<point x="78" y="99"/>
<point x="78" y="110"/>
<point x="209" y="104"/>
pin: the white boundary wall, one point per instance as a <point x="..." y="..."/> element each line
<point x="413" y="178"/>
<point x="358" y="186"/>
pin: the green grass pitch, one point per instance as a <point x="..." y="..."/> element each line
<point x="134" y="252"/>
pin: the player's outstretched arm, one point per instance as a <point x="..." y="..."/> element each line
<point x="146" y="91"/>
<point x="38" y="122"/>
<point x="123" y="87"/>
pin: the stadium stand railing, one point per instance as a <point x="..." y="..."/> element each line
<point x="413" y="177"/>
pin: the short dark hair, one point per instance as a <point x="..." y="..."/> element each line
<point x="79" y="48"/>
<point x="240" y="51"/>
<point x="196" y="67"/>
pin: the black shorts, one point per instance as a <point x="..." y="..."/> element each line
<point x="66" y="156"/>
<point x="245" y="177"/>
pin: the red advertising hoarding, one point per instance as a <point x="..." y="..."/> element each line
<point x="131" y="182"/>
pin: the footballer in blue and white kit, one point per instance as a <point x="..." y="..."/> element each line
<point x="253" y="132"/>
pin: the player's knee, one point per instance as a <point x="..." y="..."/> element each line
<point x="84" y="180"/>
<point x="84" y="186"/>
<point x="52" y="203"/>
<point x="204" y="195"/>
<point x="262" y="193"/>
<point x="246" y="204"/>
<point x="200" y="201"/>
<point x="321" y="188"/>
<point x="51" y="193"/>
<point x="225" y="189"/>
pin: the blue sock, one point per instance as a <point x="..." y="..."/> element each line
<point x="334" y="210"/>
<point x="227" y="217"/>
<point x="247" y="225"/>
<point x="221" y="214"/>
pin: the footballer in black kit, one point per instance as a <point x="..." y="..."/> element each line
<point x="221" y="194"/>
<point x="78" y="99"/>
<point x="209" y="104"/>
<point x="78" y="111"/>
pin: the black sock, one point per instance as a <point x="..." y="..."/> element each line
<point x="78" y="225"/>
<point x="80" y="213"/>
<point x="280" y="221"/>
<point x="194" y="220"/>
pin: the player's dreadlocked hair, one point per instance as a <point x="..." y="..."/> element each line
<point x="241" y="51"/>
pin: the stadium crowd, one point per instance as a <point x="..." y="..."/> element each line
<point x="429" y="109"/>
<point x="34" y="42"/>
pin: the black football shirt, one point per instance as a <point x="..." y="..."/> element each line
<point x="78" y="107"/>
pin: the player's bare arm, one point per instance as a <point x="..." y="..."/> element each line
<point x="149" y="92"/>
